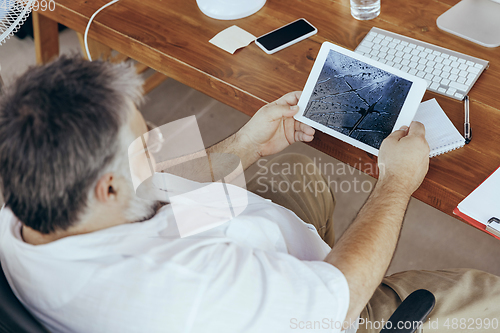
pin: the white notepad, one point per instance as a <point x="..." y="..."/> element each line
<point x="483" y="203"/>
<point x="440" y="132"/>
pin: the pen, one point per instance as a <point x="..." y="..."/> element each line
<point x="467" y="130"/>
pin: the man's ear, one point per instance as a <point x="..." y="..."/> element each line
<point x="105" y="189"/>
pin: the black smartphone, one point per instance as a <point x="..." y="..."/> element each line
<point x="285" y="36"/>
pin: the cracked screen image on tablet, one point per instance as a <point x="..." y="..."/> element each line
<point x="360" y="100"/>
<point x="356" y="99"/>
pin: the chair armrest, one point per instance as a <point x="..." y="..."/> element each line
<point x="414" y="309"/>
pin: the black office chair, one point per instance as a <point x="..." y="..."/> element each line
<point x="14" y="318"/>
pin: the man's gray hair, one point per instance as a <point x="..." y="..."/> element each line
<point x="60" y="128"/>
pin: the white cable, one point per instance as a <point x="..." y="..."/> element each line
<point x="85" y="36"/>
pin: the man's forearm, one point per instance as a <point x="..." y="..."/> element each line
<point x="268" y="132"/>
<point x="219" y="161"/>
<point x="364" y="252"/>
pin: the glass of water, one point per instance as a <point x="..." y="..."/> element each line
<point x="365" y="9"/>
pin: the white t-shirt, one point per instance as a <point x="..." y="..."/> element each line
<point x="260" y="272"/>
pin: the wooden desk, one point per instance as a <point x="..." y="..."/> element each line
<point x="172" y="37"/>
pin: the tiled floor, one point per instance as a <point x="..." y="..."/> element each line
<point x="429" y="240"/>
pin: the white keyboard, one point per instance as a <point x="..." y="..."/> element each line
<point x="447" y="72"/>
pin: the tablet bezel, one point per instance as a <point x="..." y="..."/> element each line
<point x="408" y="110"/>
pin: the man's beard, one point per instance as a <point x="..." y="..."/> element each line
<point x="140" y="210"/>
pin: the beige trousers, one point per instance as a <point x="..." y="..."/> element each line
<point x="466" y="300"/>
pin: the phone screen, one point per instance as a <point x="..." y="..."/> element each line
<point x="285" y="34"/>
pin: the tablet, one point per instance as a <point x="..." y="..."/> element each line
<point x="356" y="99"/>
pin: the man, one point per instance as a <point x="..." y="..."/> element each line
<point x="84" y="254"/>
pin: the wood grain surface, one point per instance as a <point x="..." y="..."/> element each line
<point x="172" y="38"/>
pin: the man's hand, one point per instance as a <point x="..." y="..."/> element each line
<point x="273" y="127"/>
<point x="404" y="159"/>
<point x="364" y="251"/>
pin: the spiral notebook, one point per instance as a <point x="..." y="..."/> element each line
<point x="440" y="132"/>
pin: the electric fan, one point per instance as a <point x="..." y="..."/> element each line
<point x="13" y="13"/>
